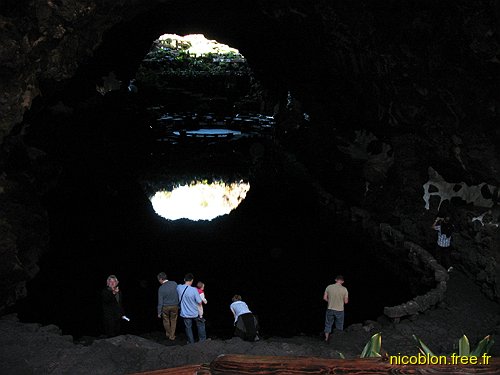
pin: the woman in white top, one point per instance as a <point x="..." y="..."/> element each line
<point x="244" y="321"/>
<point x="238" y="307"/>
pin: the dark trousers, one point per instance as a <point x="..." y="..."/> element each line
<point x="200" y="326"/>
<point x="246" y="327"/>
<point x="443" y="256"/>
<point x="111" y="325"/>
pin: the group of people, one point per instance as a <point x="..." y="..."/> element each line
<point x="182" y="300"/>
<point x="186" y="301"/>
<point x="176" y="300"/>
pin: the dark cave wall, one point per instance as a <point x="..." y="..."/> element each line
<point x="400" y="62"/>
<point x="421" y="76"/>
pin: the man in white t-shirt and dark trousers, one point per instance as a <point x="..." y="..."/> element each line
<point x="337" y="296"/>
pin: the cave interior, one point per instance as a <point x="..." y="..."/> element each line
<point x="365" y="96"/>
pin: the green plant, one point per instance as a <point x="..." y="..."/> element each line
<point x="463" y="346"/>
<point x="422" y="347"/>
<point x="372" y="347"/>
<point x="341" y="355"/>
<point x="482" y="347"/>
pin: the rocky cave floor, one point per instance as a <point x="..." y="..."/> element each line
<point x="27" y="348"/>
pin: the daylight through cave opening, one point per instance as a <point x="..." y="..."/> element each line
<point x="199" y="200"/>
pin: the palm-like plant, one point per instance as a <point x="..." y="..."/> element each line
<point x="482" y="347"/>
<point x="374" y="345"/>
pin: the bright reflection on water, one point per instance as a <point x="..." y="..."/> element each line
<point x="199" y="200"/>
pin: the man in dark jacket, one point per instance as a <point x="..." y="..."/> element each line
<point x="168" y="304"/>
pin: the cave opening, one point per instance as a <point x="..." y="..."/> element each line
<point x="200" y="200"/>
<point x="279" y="249"/>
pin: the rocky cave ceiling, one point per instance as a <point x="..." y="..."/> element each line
<point x="422" y="76"/>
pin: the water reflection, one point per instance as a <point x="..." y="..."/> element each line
<point x="199" y="200"/>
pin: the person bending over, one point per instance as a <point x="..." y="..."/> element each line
<point x="245" y="323"/>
